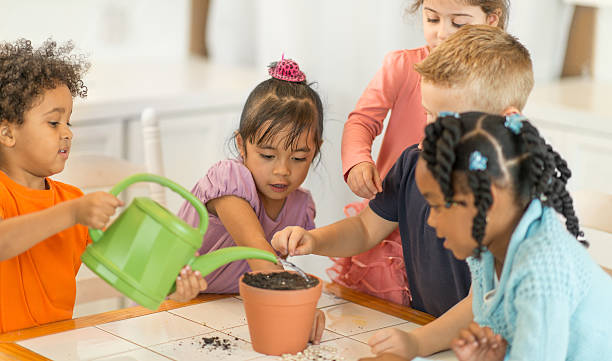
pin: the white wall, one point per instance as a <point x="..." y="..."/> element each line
<point x="340" y="44"/>
<point x="109" y="30"/>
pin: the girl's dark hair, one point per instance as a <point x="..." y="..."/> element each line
<point x="277" y="104"/>
<point x="523" y="161"/>
<point x="26" y="72"/>
<point x="499" y="7"/>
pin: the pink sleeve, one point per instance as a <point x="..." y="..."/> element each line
<point x="227" y="177"/>
<point x="366" y="121"/>
<point x="311" y="212"/>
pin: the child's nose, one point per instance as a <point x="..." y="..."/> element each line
<point x="66" y="133"/>
<point x="281" y="168"/>
<point x="443" y="30"/>
<point x="431" y="219"/>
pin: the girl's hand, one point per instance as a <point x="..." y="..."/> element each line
<point x="364" y="180"/>
<point x="188" y="284"/>
<point x="293" y="241"/>
<point x="317" y="327"/>
<point x="476" y="343"/>
<point x="384" y="357"/>
<point x="95" y="209"/>
<point x="394" y="341"/>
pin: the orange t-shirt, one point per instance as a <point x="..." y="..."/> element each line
<point x="38" y="286"/>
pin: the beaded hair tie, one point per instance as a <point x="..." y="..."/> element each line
<point x="478" y="162"/>
<point x="514" y="122"/>
<point x="287" y="70"/>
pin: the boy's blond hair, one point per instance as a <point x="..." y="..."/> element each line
<point x="494" y="67"/>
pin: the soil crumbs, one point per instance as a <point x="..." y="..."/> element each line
<point x="279" y="281"/>
<point x="214" y="344"/>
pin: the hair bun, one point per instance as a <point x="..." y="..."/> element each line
<point x="286" y="69"/>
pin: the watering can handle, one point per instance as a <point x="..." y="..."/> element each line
<point x="96" y="234"/>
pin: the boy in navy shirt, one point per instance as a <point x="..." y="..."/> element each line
<point x="478" y="68"/>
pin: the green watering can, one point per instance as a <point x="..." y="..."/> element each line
<point x="143" y="250"/>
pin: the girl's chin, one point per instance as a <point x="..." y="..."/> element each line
<point x="458" y="254"/>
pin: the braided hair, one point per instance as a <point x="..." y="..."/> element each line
<point x="519" y="158"/>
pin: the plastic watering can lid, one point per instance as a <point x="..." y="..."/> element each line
<point x="170" y="221"/>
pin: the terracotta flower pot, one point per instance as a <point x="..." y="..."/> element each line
<point x="279" y="321"/>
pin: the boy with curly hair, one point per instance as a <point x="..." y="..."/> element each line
<point x="43" y="223"/>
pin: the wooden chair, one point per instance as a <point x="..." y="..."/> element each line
<point x="594" y="211"/>
<point x="94" y="172"/>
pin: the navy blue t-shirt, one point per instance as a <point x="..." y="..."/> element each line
<point x="437" y="280"/>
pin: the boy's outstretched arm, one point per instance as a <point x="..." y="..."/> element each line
<point x="345" y="238"/>
<point x="18" y="234"/>
<point x="434" y="337"/>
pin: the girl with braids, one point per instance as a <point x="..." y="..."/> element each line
<point x="495" y="187"/>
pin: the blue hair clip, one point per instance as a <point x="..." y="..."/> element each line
<point x="514" y="122"/>
<point x="478" y="161"/>
<point x="448" y="114"/>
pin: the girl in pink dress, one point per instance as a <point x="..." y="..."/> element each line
<point x="251" y="198"/>
<point x="396" y="87"/>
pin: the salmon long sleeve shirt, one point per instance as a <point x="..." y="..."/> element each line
<point x="396" y="87"/>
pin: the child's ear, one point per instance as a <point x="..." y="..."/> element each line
<point x="239" y="144"/>
<point x="6" y="133"/>
<point x="493" y="18"/>
<point x="511" y="110"/>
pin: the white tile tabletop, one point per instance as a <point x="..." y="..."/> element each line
<point x="155" y="328"/>
<point x="81" y="344"/>
<point x="214" y="330"/>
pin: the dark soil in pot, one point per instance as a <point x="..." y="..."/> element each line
<point x="279" y="281"/>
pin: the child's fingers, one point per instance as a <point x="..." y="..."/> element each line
<point x="490" y="336"/>
<point x="467" y="335"/>
<point x="294" y="241"/>
<point x="180" y="289"/>
<point x="377" y="181"/>
<point x="280" y="242"/>
<point x="464" y="350"/>
<point x="193" y="284"/>
<point x="317" y="328"/>
<point x="378" y="337"/>
<point x="369" y="184"/>
<point x="202" y="282"/>
<point x="382" y="347"/>
<point x="381" y="342"/>
<point x="478" y="332"/>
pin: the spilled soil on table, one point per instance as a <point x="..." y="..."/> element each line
<point x="279" y="281"/>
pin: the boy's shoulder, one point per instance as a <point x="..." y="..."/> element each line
<point x="67" y="189"/>
<point x="408" y="159"/>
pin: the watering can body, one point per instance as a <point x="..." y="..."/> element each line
<point x="143" y="250"/>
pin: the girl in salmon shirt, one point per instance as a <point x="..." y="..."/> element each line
<point x="396" y="87"/>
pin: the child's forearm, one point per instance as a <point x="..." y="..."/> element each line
<point x="438" y="334"/>
<point x="352" y="235"/>
<point x="18" y="234"/>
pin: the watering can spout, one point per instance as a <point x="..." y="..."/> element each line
<point x="211" y="261"/>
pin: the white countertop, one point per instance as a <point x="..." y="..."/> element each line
<point x="576" y="103"/>
<point x="125" y="89"/>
